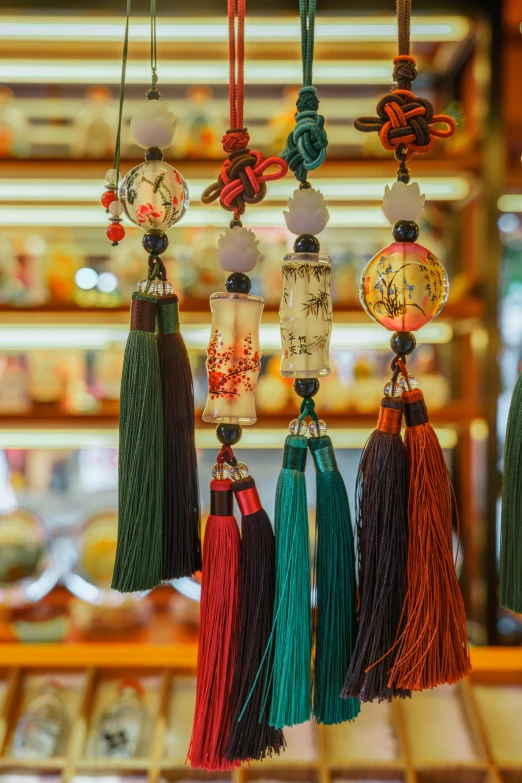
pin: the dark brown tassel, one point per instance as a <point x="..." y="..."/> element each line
<point x="250" y="735"/>
<point x="181" y="514"/>
<point x="382" y="527"/>
<point x="433" y="647"/>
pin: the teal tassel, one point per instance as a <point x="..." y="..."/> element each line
<point x="511" y="522"/>
<point x="140" y="469"/>
<point x="292" y="631"/>
<point x="336" y="589"/>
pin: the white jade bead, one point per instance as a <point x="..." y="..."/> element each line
<point x="403" y="202"/>
<point x="307" y="212"/>
<point x="237" y="250"/>
<point x="116" y="208"/>
<point x="153" y="125"/>
<point x="111" y="176"/>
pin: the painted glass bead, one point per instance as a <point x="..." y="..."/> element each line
<point x="295" y="429"/>
<point x="233" y="358"/>
<point x="305" y="315"/>
<point x="154" y="195"/>
<point x="107" y="198"/>
<point x="239" y="471"/>
<point x="408" y="383"/>
<point x="392" y="390"/>
<point x="115" y="232"/>
<point x="404" y="287"/>
<point x="317" y="432"/>
<point x="220" y="471"/>
<point x="146" y="286"/>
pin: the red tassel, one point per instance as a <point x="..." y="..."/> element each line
<point x="433" y="647"/>
<point x="218" y="636"/>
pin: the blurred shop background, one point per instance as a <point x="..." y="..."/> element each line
<point x="64" y="303"/>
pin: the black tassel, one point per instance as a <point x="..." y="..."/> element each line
<point x="250" y="736"/>
<point x="181" y="513"/>
<point x="382" y="527"/>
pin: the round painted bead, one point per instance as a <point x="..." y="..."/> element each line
<point x="116" y="208"/>
<point x="307" y="212"/>
<point x="154" y="195"/>
<point x="237" y="250"/>
<point x="403" y="287"/>
<point x="153" y="125"/>
<point x="107" y="198"/>
<point x="115" y="232"/>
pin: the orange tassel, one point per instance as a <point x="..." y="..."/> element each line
<point x="433" y="646"/>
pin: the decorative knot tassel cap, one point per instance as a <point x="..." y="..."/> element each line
<point x="511" y="531"/>
<point x="291" y="666"/>
<point x="251" y="736"/>
<point x="140" y="463"/>
<point x="181" y="527"/>
<point x="336" y="589"/>
<point x="218" y="636"/>
<point x="382" y="530"/>
<point x="433" y="647"/>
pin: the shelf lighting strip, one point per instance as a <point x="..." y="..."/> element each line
<point x="253" y="438"/>
<point x="51" y="191"/>
<point x="41" y="337"/>
<point x="190" y="72"/>
<point x="357" y="29"/>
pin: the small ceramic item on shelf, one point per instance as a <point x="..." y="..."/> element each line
<point x="40" y="726"/>
<point x="121" y="726"/>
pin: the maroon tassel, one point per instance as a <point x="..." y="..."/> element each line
<point x="251" y="737"/>
<point x="382" y="527"/>
<point x="218" y="636"/>
<point x="181" y="515"/>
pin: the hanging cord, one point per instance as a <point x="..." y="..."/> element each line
<point x="116" y="159"/>
<point x="306" y="145"/>
<point x="242" y="179"/>
<point x="153" y="56"/>
<point x="403" y="25"/>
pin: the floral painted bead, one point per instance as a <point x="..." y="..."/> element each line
<point x="404" y="287"/>
<point x="154" y="195"/>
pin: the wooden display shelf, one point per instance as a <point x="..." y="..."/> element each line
<point x="89" y="674"/>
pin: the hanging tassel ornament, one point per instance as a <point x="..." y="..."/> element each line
<point x="336" y="625"/>
<point x="154" y="196"/>
<point x="403" y="288"/>
<point x="233" y="364"/>
<point x="251" y="737"/>
<point x="219" y="624"/>
<point x="382" y="530"/>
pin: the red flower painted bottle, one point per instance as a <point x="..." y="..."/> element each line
<point x="233" y="358"/>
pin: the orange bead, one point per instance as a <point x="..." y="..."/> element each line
<point x="403" y="287"/>
<point x="115" y="232"/>
<point x="107" y="198"/>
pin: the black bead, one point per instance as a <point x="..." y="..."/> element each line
<point x="228" y="434"/>
<point x="238" y="283"/>
<point x="306" y="243"/>
<point x="403" y="343"/>
<point x="153" y="95"/>
<point x="154" y="153"/>
<point x="155" y="241"/>
<point x="236" y="223"/>
<point x="405" y="231"/>
<point x="306" y="387"/>
<point x="304" y="185"/>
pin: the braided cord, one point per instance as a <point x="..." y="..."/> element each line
<point x="153" y="56"/>
<point x="403" y="25"/>
<point x="116" y="159"/>
<point x="236" y="57"/>
<point x="307" y="10"/>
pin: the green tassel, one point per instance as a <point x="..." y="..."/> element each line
<point x="336" y="589"/>
<point x="140" y="469"/>
<point x="291" y="665"/>
<point x="511" y="522"/>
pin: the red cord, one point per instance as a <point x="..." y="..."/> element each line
<point x="236" y="56"/>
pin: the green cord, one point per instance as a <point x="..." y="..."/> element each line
<point x="153" y="57"/>
<point x="307" y="10"/>
<point x="116" y="161"/>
